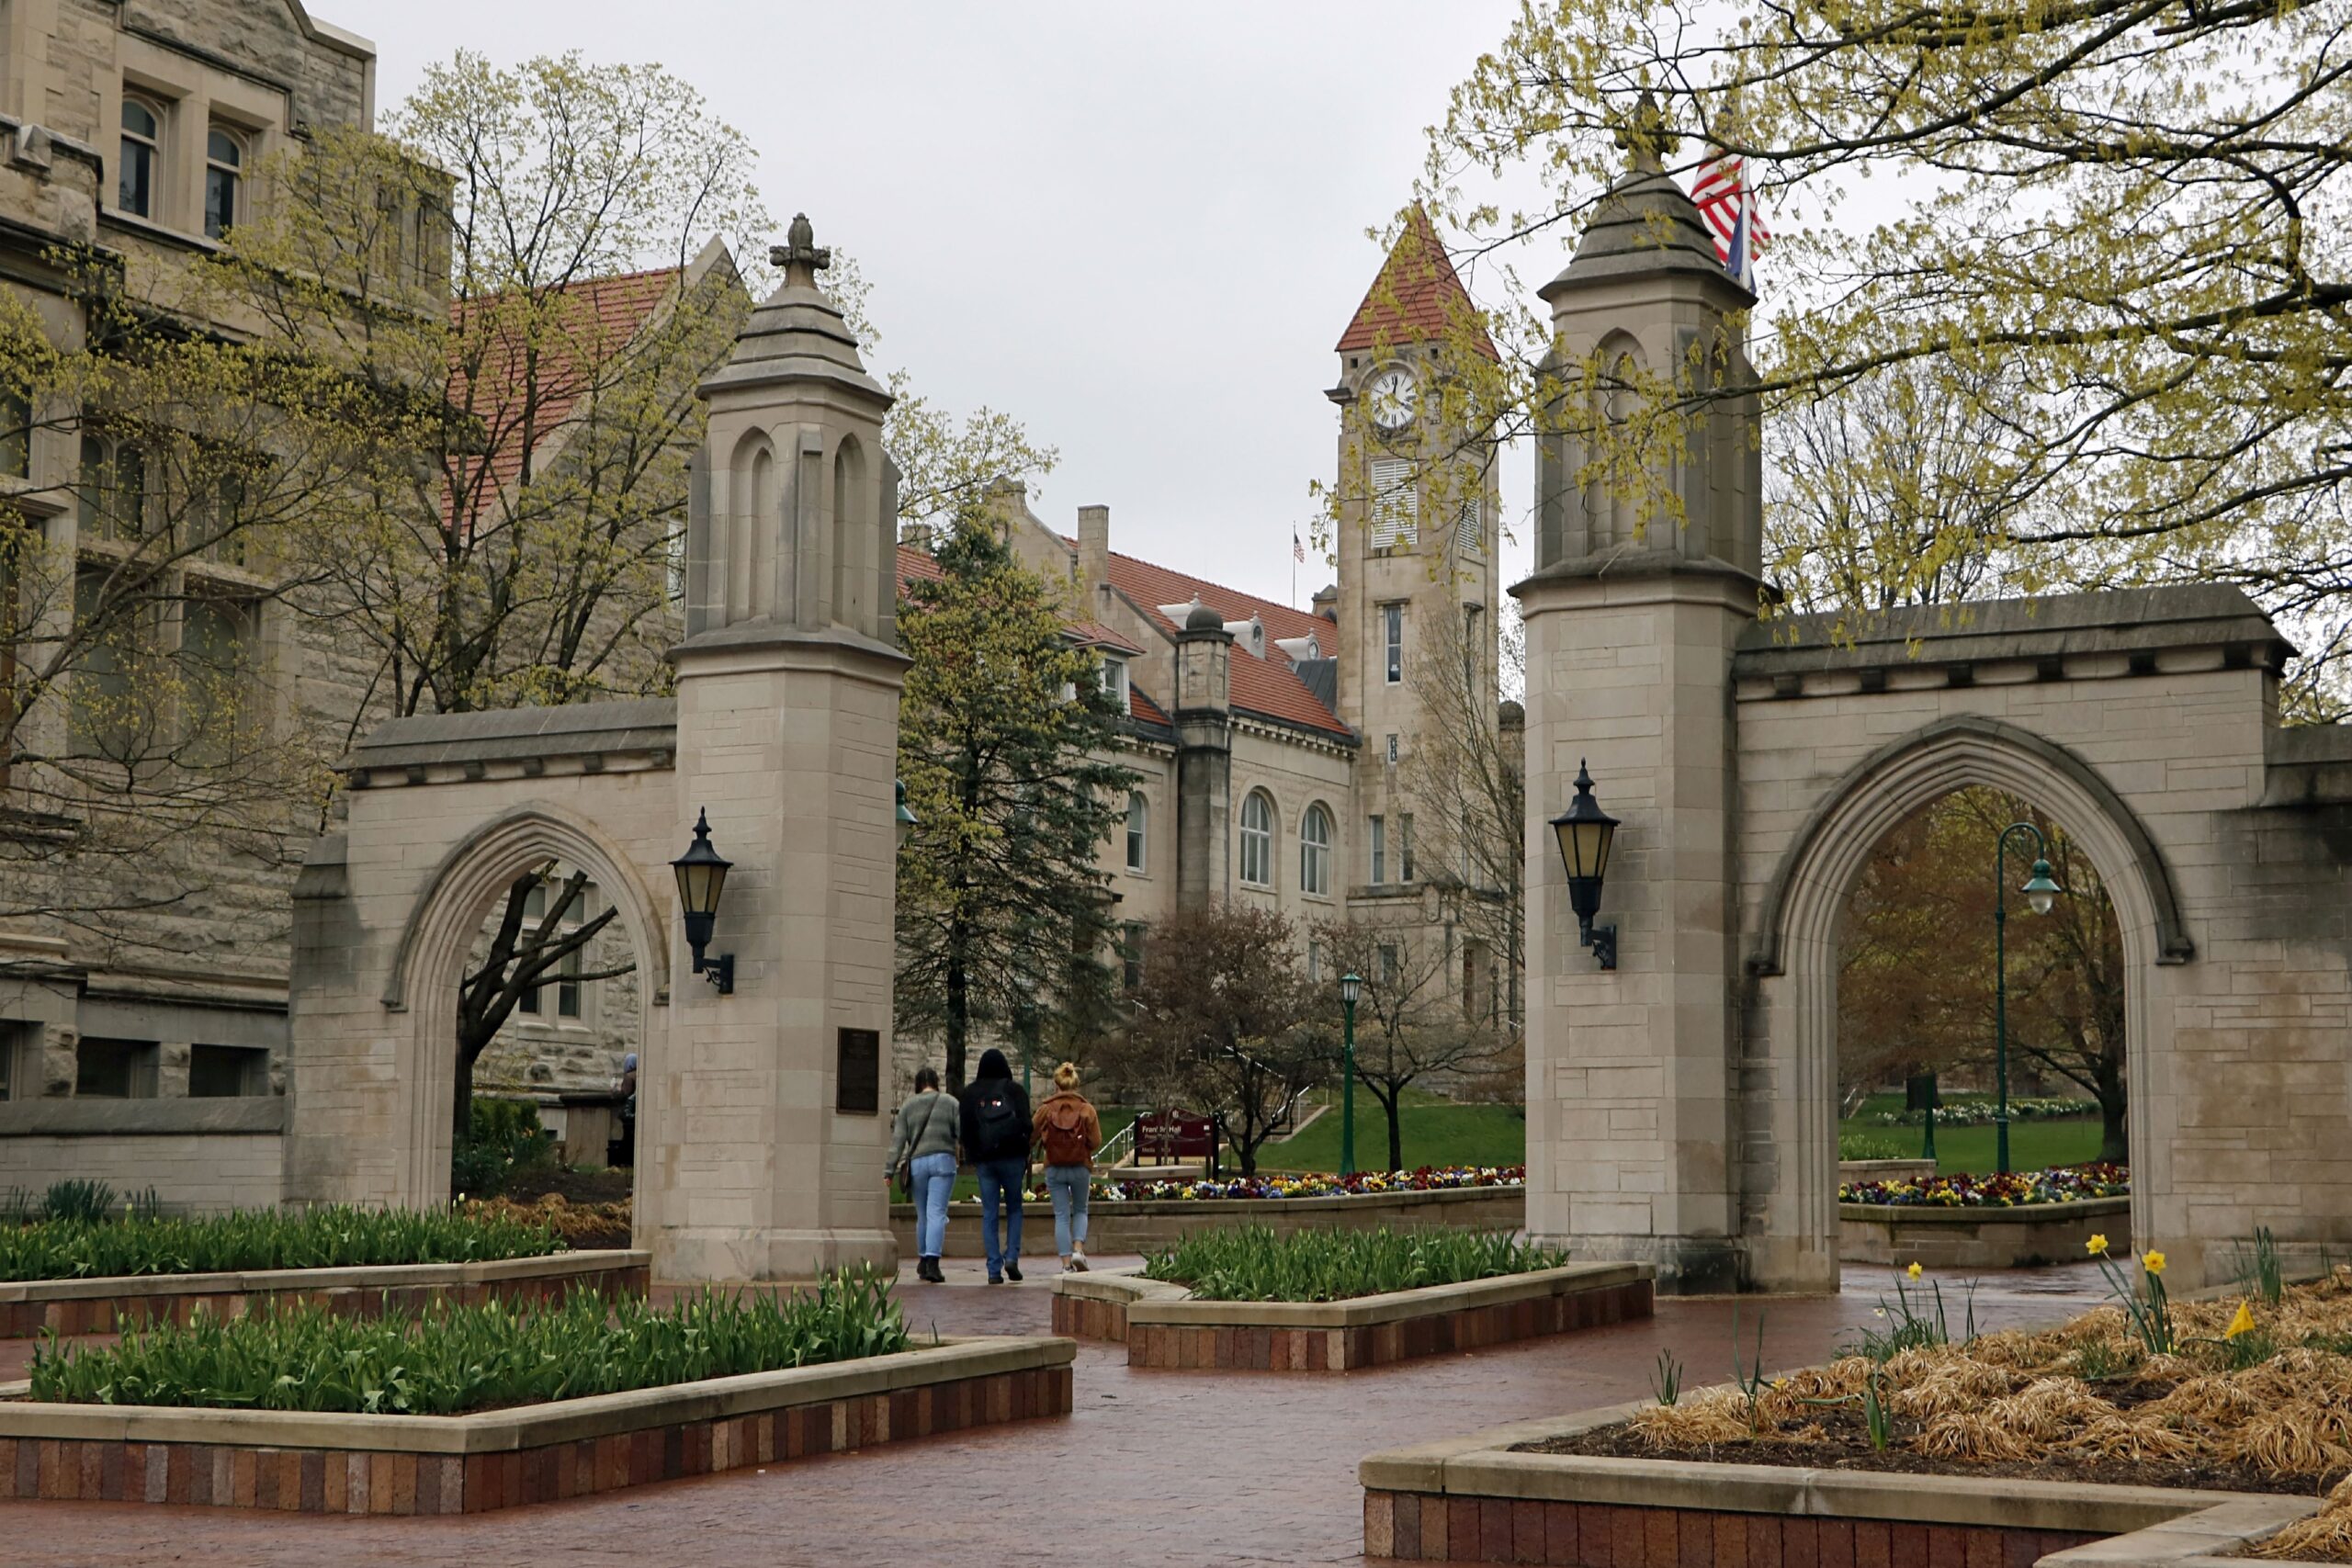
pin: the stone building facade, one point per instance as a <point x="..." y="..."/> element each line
<point x="130" y="134"/>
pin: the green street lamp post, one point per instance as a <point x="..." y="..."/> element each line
<point x="2041" y="892"/>
<point x="1351" y="988"/>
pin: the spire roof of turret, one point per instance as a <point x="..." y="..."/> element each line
<point x="797" y="332"/>
<point x="1645" y="224"/>
<point x="1418" y="298"/>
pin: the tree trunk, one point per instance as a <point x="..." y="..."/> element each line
<point x="959" y="1018"/>
<point x="1395" y="1136"/>
<point x="2114" y="1144"/>
<point x="462" y="1112"/>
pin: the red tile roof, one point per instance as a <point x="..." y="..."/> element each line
<point x="1418" y="298"/>
<point x="1094" y="634"/>
<point x="1268" y="686"/>
<point x="914" y="563"/>
<point x="593" y="319"/>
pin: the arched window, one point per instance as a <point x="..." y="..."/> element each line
<point x="224" y="165"/>
<point x="1257" y="841"/>
<point x="849" y="535"/>
<point x="1138" y="829"/>
<point x="142" y="138"/>
<point x="1315" y="851"/>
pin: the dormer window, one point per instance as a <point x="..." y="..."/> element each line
<point x="1115" y="681"/>
<point x="224" y="168"/>
<point x="142" y="141"/>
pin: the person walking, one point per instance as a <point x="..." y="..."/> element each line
<point x="1069" y="1132"/>
<point x="996" y="1130"/>
<point x="922" y="1159"/>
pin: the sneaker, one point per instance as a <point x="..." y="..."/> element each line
<point x="995" y="1277"/>
<point x="1078" y="1263"/>
<point x="1012" y="1272"/>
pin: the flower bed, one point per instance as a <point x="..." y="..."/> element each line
<point x="1980" y="1112"/>
<point x="579" y="1225"/>
<point x="1163" y="1325"/>
<point x="264" y="1238"/>
<point x="2250" y="1394"/>
<point x="451" y="1360"/>
<point x="2060" y="1184"/>
<point x="324" y="1462"/>
<point x="1363" y="1184"/>
<point x="1255" y="1264"/>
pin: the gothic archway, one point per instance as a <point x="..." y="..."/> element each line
<point x="1792" y="1021"/>
<point x="429" y="966"/>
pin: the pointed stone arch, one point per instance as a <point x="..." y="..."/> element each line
<point x="1792" y="959"/>
<point x="446" y="914"/>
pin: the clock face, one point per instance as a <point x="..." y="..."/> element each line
<point x="1392" y="394"/>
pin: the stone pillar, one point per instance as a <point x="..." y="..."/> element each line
<point x="1203" y="759"/>
<point x="1640" y="593"/>
<point x="787" y="738"/>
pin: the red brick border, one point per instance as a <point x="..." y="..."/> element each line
<point x="1425" y="1527"/>
<point x="109" y="1314"/>
<point x="361" y="1482"/>
<point x="1248" y="1348"/>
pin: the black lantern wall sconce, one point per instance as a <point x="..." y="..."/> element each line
<point x="702" y="877"/>
<point x="1586" y="833"/>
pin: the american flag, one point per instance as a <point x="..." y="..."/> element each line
<point x="1728" y="206"/>
<point x="1297" y="549"/>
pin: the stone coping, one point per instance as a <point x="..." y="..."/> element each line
<point x="207" y="1115"/>
<point x="1161" y="1302"/>
<point x="2210" y="1538"/>
<point x="1483" y="1464"/>
<point x="1962" y="1214"/>
<point x="536" y="1425"/>
<point x="364" y="1277"/>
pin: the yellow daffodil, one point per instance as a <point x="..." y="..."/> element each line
<point x="2098" y="1246"/>
<point x="2153" y="1262"/>
<point x="2240" y="1324"/>
<point x="1913" y="1270"/>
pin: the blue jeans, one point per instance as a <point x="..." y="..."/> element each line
<point x="934" y="1178"/>
<point x="1000" y="1179"/>
<point x="1068" y="1184"/>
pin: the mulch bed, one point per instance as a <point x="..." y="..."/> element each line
<point x="572" y="1186"/>
<point x="1843" y="1443"/>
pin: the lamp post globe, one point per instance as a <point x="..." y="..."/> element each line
<point x="906" y="820"/>
<point x="1351" y="989"/>
<point x="2041" y="892"/>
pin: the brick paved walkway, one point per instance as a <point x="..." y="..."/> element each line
<point x="1177" y="1468"/>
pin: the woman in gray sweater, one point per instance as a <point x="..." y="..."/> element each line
<point x="923" y="1140"/>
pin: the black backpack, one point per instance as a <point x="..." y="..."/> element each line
<point x="1002" y="1132"/>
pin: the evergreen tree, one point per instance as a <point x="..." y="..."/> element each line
<point x="1004" y="909"/>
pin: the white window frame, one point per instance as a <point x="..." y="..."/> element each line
<point x="1257" y="839"/>
<point x="1395" y="504"/>
<point x="1114" y="680"/>
<point x="1377" y="841"/>
<point x="1315" y="851"/>
<point x="240" y="144"/>
<point x="1391" y="641"/>
<point x="1138" y="832"/>
<point x="160" y="116"/>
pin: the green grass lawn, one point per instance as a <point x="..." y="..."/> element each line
<point x="2033" y="1145"/>
<point x="1437" y="1132"/>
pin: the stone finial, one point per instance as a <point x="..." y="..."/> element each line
<point x="1646" y="136"/>
<point x="799" y="256"/>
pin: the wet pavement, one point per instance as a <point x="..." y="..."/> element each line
<point x="1165" y="1467"/>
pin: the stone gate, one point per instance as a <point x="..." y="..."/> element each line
<point x="1682" y="1107"/>
<point x="760" y="1138"/>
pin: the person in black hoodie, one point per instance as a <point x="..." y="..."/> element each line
<point x="996" y="1140"/>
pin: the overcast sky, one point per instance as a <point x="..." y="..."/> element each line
<point x="1138" y="231"/>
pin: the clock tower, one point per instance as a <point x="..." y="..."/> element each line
<point x="1416" y="509"/>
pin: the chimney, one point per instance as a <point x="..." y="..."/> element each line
<point x="1327" y="602"/>
<point x="1093" y="549"/>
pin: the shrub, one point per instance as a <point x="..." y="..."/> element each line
<point x="1250" y="1263"/>
<point x="454" y="1359"/>
<point x="264" y="1238"/>
<point x="506" y="1136"/>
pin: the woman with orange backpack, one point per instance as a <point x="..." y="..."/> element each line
<point x="1070" y="1132"/>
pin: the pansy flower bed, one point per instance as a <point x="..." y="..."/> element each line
<point x="2060" y="1184"/>
<point x="1363" y="1184"/>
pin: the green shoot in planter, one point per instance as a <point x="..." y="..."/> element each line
<point x="2147" y="1308"/>
<point x="1666" y="1382"/>
<point x="1749" y="1380"/>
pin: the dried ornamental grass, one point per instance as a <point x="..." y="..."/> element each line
<point x="2325" y="1536"/>
<point x="1704" y="1420"/>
